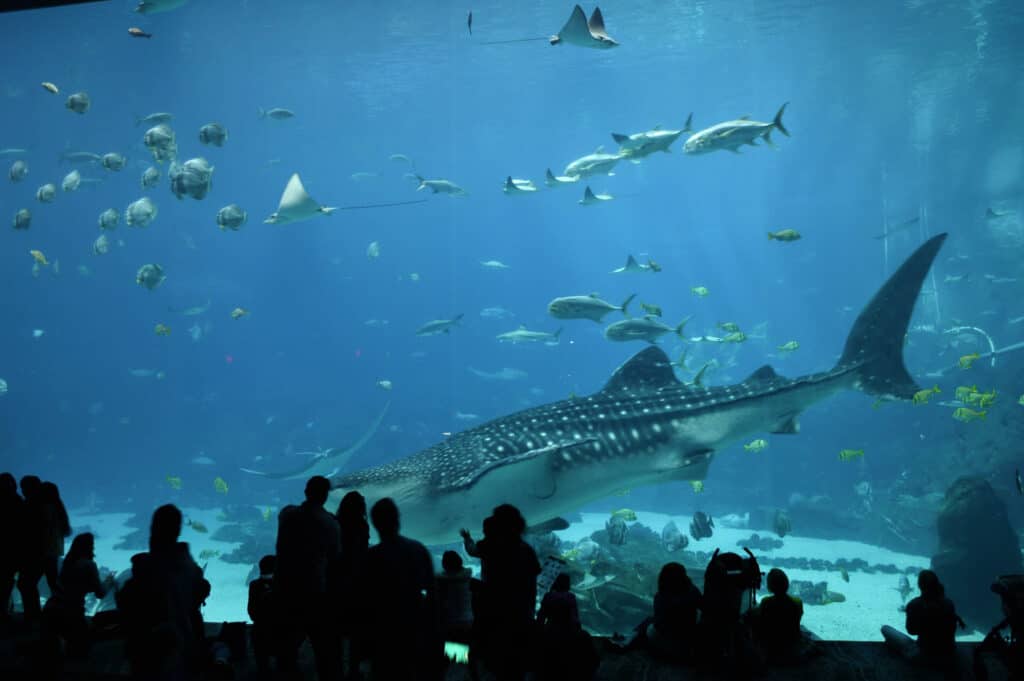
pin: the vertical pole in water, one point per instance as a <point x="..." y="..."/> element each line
<point x="885" y="224"/>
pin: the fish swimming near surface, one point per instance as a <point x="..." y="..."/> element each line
<point x="330" y="461"/>
<point x="643" y="427"/>
<point x="580" y="31"/>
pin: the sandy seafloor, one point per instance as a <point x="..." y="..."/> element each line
<point x="871" y="599"/>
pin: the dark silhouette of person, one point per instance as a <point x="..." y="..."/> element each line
<point x="160" y="603"/>
<point x="1007" y="650"/>
<point x="346" y="578"/>
<point x="308" y="543"/>
<point x="64" y="613"/>
<point x="56" y="529"/>
<point x="262" y="610"/>
<point x="401" y="606"/>
<point x="725" y="639"/>
<point x="932" y="618"/>
<point x="11" y="537"/>
<point x="777" y="620"/>
<point x="671" y="632"/>
<point x="32" y="561"/>
<point x="566" y="651"/>
<point x="508" y="598"/>
<point x="454" y="598"/>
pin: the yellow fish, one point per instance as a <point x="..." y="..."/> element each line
<point x="850" y="454"/>
<point x="38" y="257"/>
<point x="789" y="347"/>
<point x="1020" y="400"/>
<point x="735" y="337"/>
<point x="220" y="485"/>
<point x="921" y="396"/>
<point x="784" y="235"/>
<point x="174" y="482"/>
<point x="878" y="403"/>
<point x="965" y="415"/>
<point x="966" y="361"/>
<point x="162" y="330"/>
<point x="207" y="554"/>
<point x="267" y="512"/>
<point x="756" y="446"/>
<point x="984" y="400"/>
<point x="697" y="485"/>
<point x="964" y="392"/>
<point x="626" y="514"/>
<point x="239" y="312"/>
<point x="700" y="291"/>
<point x="197" y="526"/>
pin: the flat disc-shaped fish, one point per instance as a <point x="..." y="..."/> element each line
<point x="296" y="204"/>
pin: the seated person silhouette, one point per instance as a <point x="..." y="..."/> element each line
<point x="672" y="631"/>
<point x="64" y="614"/>
<point x="777" y="620"/>
<point x="932" y="618"/>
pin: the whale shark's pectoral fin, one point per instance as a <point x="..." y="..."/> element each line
<point x="553" y="525"/>
<point x="531" y="456"/>
<point x="788" y="426"/>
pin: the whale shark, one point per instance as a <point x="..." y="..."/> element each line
<point x="326" y="462"/>
<point x="643" y="427"/>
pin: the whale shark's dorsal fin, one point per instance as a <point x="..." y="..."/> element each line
<point x="765" y="373"/>
<point x="645" y="371"/>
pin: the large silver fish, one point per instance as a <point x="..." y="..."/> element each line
<point x="643" y="427"/>
<point x="732" y="135"/>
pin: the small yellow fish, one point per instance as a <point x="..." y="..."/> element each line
<point x="755" y="446"/>
<point x="850" y="454"/>
<point x="735" y="337"/>
<point x="239" y="312"/>
<point x="267" y="512"/>
<point x="789" y="347"/>
<point x="729" y="327"/>
<point x="197" y="526"/>
<point x="983" y="400"/>
<point x="38" y="257"/>
<point x="50" y="87"/>
<point x="784" y="235"/>
<point x="697" y="485"/>
<point x="1020" y="400"/>
<point x="627" y="514"/>
<point x="220" y="485"/>
<point x="878" y="403"/>
<point x="966" y="361"/>
<point x="964" y="393"/>
<point x="174" y="482"/>
<point x="207" y="554"/>
<point x="921" y="396"/>
<point x="651" y="309"/>
<point x="965" y="415"/>
<point x="162" y="330"/>
<point x="700" y="291"/>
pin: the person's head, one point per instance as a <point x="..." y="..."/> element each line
<point x="165" y="528"/>
<point x="672" y="578"/>
<point x="317" y="489"/>
<point x="268" y="564"/>
<point x="352" y="506"/>
<point x="561" y="583"/>
<point x="451" y="562"/>
<point x="8" y="485"/>
<point x="30" y="486"/>
<point x="83" y="546"/>
<point x="508" y="521"/>
<point x="384" y="516"/>
<point x="778" y="582"/>
<point x="929" y="584"/>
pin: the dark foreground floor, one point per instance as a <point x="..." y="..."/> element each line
<point x="835" y="661"/>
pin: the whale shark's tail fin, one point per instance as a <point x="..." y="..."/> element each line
<point x="875" y="343"/>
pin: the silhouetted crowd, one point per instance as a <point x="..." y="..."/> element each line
<point x="382" y="610"/>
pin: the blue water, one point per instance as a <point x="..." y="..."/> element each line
<point x="897" y="110"/>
